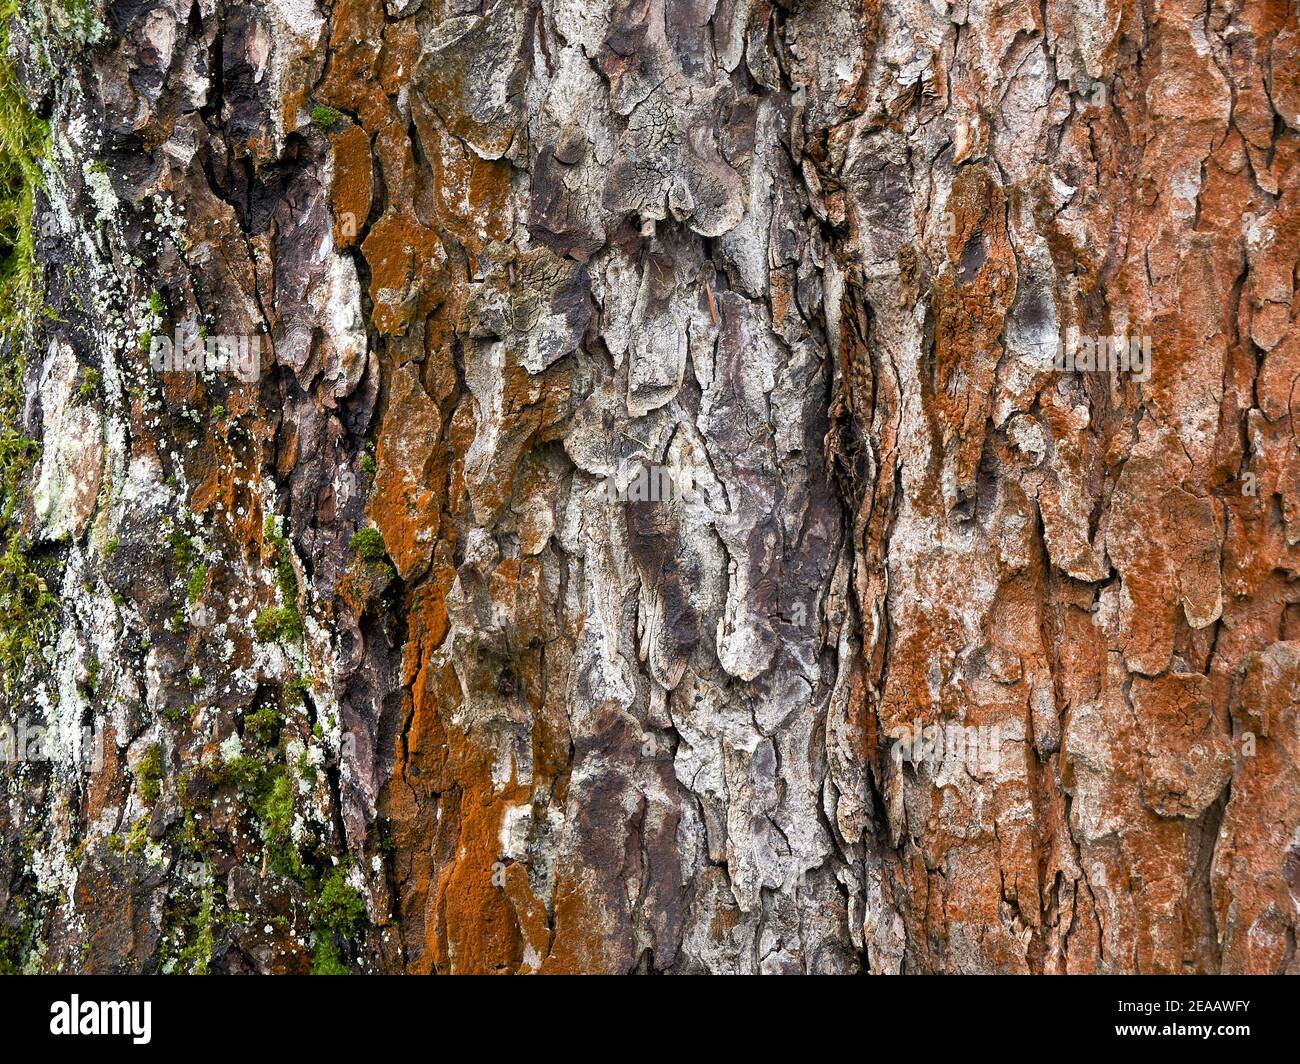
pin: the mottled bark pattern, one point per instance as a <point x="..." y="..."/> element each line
<point x="816" y="257"/>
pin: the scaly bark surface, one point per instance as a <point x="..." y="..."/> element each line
<point x="357" y="663"/>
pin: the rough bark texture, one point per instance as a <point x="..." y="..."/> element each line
<point x="816" y="258"/>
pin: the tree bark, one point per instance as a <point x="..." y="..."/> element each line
<point x="643" y="521"/>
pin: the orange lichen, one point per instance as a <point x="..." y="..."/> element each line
<point x="406" y="267"/>
<point x="353" y="183"/>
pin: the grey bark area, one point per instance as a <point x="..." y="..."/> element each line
<point x="637" y="519"/>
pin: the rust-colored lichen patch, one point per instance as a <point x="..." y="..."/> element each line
<point x="406" y="263"/>
<point x="353" y="184"/>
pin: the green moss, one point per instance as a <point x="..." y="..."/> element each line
<point x="305" y="768"/>
<point x="187" y="553"/>
<point x="21" y="947"/>
<point x="184" y="551"/>
<point x="138" y="837"/>
<point x="197" y="579"/>
<point x="196" y="955"/>
<point x="275" y="804"/>
<point x="89" y="386"/>
<point x="338" y="913"/>
<point x="26" y="605"/>
<point x="368" y="464"/>
<point x="240" y="772"/>
<point x="23" y="142"/>
<point x="278" y="622"/>
<point x="285" y="578"/>
<point x="339" y="907"/>
<point x="268" y="790"/>
<point x="284" y="621"/>
<point x="110" y="548"/>
<point x="10" y="956"/>
<point x="325" y="117"/>
<point x="369" y="544"/>
<point x="325" y="958"/>
<point x="92" y="673"/>
<point x="148" y="774"/>
<point x="265" y="725"/>
<point x="75" y="21"/>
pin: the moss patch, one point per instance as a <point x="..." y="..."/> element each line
<point x="339" y="913"/>
<point x="369" y="544"/>
<point x="285" y="578"/>
<point x="26" y="605"/>
<point x="194" y="588"/>
<point x="278" y="622"/>
<point x="265" y="725"/>
<point x="325" y="117"/>
<point x="196" y="955"/>
<point x="89" y="386"/>
<point x="283" y="621"/>
<point x="148" y="774"/>
<point x="75" y="22"/>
